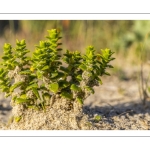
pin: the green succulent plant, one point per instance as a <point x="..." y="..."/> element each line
<point x="37" y="80"/>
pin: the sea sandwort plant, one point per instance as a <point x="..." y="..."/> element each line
<point x="46" y="80"/>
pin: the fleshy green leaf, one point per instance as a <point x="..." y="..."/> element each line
<point x="7" y="46"/>
<point x="54" y="74"/>
<point x="46" y="96"/>
<point x="21" y="100"/>
<point x="22" y="42"/>
<point x="4" y="88"/>
<point x="99" y="80"/>
<point x="66" y="95"/>
<point x="42" y="44"/>
<point x="89" y="89"/>
<point x="83" y="67"/>
<point x="17" y="119"/>
<point x="45" y="68"/>
<point x="39" y="74"/>
<point x="97" y="118"/>
<point x="110" y="66"/>
<point x="35" y="85"/>
<point x="106" y="73"/>
<point x="75" y="88"/>
<point x="63" y="84"/>
<point x="16" y="85"/>
<point x="25" y="72"/>
<point x="35" y="91"/>
<point x="24" y="96"/>
<point x="1" y="70"/>
<point x="33" y="107"/>
<point x="5" y="57"/>
<point x="60" y="76"/>
<point x="79" y="100"/>
<point x="66" y="59"/>
<point x="3" y="74"/>
<point x="54" y="87"/>
<point x="80" y="77"/>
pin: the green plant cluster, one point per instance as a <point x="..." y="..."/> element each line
<point x="45" y="76"/>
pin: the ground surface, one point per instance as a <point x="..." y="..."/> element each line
<point x="117" y="101"/>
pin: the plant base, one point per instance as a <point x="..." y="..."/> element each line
<point x="56" y="117"/>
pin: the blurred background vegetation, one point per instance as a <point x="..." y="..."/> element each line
<point x="127" y="38"/>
